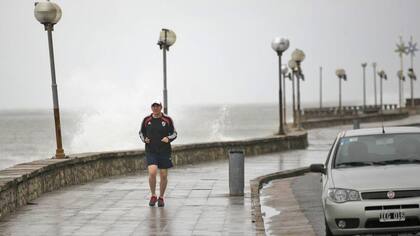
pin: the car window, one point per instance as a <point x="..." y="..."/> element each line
<point x="378" y="150"/>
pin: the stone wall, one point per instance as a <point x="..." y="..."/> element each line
<point x="25" y="182"/>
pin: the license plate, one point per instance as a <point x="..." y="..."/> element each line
<point x="391" y="216"/>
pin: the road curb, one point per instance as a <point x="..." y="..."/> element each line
<point x="257" y="183"/>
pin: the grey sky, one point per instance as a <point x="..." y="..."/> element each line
<point x="106" y="52"/>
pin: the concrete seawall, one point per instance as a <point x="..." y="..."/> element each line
<point x="344" y="120"/>
<point x="22" y="183"/>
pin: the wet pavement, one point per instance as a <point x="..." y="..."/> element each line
<point x="197" y="201"/>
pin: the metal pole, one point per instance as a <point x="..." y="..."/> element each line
<point x="294" y="99"/>
<point x="339" y="94"/>
<point x="284" y="101"/>
<point x="401" y="85"/>
<point x="281" y="130"/>
<point x="320" y="87"/>
<point x="59" y="152"/>
<point x="411" y="83"/>
<point x="399" y="91"/>
<point x="165" y="91"/>
<point x="412" y="93"/>
<point x="401" y="81"/>
<point x="374" y="82"/>
<point x="298" y="95"/>
<point x="364" y="85"/>
<point x="380" y="85"/>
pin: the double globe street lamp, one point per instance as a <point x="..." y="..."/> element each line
<point x="382" y="76"/>
<point x="341" y="74"/>
<point x="298" y="56"/>
<point x="166" y="39"/>
<point x="48" y="14"/>
<point x="374" y="82"/>
<point x="412" y="77"/>
<point x="280" y="45"/>
<point x="286" y="74"/>
<point x="293" y="67"/>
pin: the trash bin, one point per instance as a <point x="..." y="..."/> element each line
<point x="236" y="172"/>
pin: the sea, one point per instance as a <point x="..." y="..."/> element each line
<point x="27" y="135"/>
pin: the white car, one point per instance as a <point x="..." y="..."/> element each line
<point x="371" y="182"/>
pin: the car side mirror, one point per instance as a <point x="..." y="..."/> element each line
<point x="318" y="168"/>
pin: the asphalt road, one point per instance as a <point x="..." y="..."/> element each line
<point x="307" y="191"/>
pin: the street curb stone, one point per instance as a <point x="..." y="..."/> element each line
<point x="257" y="183"/>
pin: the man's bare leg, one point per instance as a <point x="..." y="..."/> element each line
<point x="152" y="178"/>
<point x="163" y="181"/>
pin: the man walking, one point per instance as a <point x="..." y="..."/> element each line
<point x="157" y="132"/>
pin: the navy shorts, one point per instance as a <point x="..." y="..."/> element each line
<point x="163" y="161"/>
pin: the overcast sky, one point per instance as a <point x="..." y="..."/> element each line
<point x="106" y="52"/>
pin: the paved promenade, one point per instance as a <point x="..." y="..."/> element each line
<point x="197" y="201"/>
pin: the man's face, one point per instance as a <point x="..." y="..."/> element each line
<point x="156" y="109"/>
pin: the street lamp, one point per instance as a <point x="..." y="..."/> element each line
<point x="286" y="74"/>
<point x="293" y="67"/>
<point x="364" y="84"/>
<point x="401" y="50"/>
<point x="382" y="76"/>
<point x="412" y="49"/>
<point x="166" y="39"/>
<point x="341" y="74"/>
<point x="374" y="82"/>
<point x="298" y="56"/>
<point x="48" y="14"/>
<point x="412" y="77"/>
<point x="320" y="87"/>
<point x="280" y="45"/>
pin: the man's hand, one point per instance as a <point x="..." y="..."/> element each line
<point x="147" y="140"/>
<point x="165" y="140"/>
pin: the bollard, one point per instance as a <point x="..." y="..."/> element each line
<point x="236" y="172"/>
<point x="356" y="124"/>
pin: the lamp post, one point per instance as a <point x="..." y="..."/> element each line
<point x="286" y="74"/>
<point x="341" y="74"/>
<point x="320" y="87"/>
<point x="293" y="67"/>
<point x="382" y="76"/>
<point x="298" y="56"/>
<point x="412" y="77"/>
<point x="364" y="84"/>
<point x="374" y="81"/>
<point x="401" y="79"/>
<point x="412" y="49"/>
<point x="48" y="14"/>
<point x="166" y="39"/>
<point x="280" y="45"/>
<point x="401" y="50"/>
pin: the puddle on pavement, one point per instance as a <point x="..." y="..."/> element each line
<point x="267" y="212"/>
